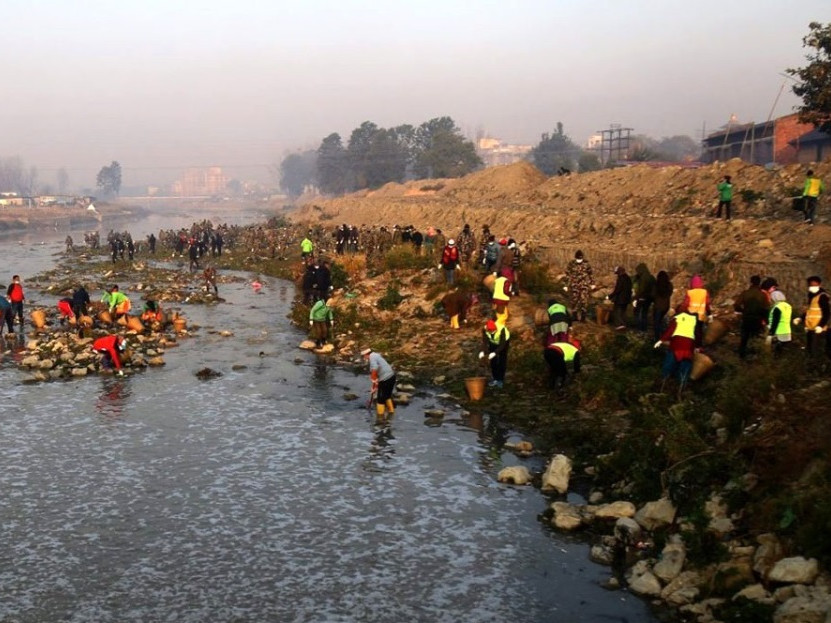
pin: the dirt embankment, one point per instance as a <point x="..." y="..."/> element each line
<point x="663" y="216"/>
<point x="18" y="218"/>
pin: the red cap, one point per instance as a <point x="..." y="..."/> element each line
<point x="503" y="241"/>
<point x="490" y="325"/>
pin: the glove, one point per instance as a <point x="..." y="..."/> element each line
<point x="494" y="274"/>
<point x="121" y="373"/>
<point x="634" y="303"/>
<point x="491" y="356"/>
<point x="438" y="267"/>
<point x="565" y="288"/>
<point x="459" y="268"/>
<point x="311" y="323"/>
<point x="484" y="262"/>
<point x="481" y="354"/>
<point x="797" y="321"/>
<point x="769" y="339"/>
<point x="658" y="344"/>
<point x="818" y="330"/>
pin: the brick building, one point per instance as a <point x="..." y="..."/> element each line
<point x="757" y="143"/>
<point x="202" y="182"/>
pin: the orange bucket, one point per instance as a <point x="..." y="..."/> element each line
<point x="180" y="324"/>
<point x="475" y="386"/>
<point x="489" y="281"/>
<point x="38" y="318"/>
<point x="134" y="324"/>
<point x="105" y="317"/>
<point x="702" y="364"/>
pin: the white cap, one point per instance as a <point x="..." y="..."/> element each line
<point x="451" y="242"/>
<point x="365" y="352"/>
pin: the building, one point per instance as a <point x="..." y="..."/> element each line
<point x="494" y="152"/>
<point x="757" y="143"/>
<point x="201" y="182"/>
<point x="813" y="146"/>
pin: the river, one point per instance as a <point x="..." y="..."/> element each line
<point x="266" y="495"/>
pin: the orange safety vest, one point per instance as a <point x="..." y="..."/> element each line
<point x="698" y="303"/>
<point x="814" y="313"/>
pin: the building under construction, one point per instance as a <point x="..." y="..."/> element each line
<point x="776" y="141"/>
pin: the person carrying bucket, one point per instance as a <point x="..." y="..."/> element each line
<point x="117" y="302"/>
<point x="111" y="347"/>
<point x="383" y="382"/>
<point x="65" y="310"/>
<point x="496" y="340"/>
<point x="321" y="321"/>
<point x="681" y="338"/>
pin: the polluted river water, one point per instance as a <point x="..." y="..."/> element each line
<point x="265" y="494"/>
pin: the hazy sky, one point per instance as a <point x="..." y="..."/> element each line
<point x="159" y="85"/>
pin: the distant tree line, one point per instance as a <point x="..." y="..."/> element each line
<point x="375" y="156"/>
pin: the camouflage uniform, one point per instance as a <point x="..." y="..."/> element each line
<point x="580" y="282"/>
<point x="467" y="244"/>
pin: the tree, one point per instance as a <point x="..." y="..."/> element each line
<point x="332" y="165"/>
<point x="679" y="148"/>
<point x="814" y="86"/>
<point x="555" y="151"/>
<point x="442" y="151"/>
<point x="297" y="171"/>
<point x="588" y="161"/>
<point x="109" y="179"/>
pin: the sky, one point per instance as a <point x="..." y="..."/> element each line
<point x="161" y="85"/>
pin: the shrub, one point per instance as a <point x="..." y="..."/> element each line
<point x="392" y="298"/>
<point x="403" y="256"/>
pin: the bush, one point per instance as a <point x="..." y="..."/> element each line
<point x="403" y="256"/>
<point x="392" y="298"/>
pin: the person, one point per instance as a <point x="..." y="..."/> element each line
<point x="80" y="301"/>
<point x="496" y="340"/>
<point x="151" y="243"/>
<point x="516" y="264"/>
<point x="752" y="304"/>
<point x="505" y="263"/>
<point x="768" y="287"/>
<point x="321" y="321"/>
<point x="779" y="322"/>
<point x="152" y="312"/>
<point x="383" y="381"/>
<point x="681" y="337"/>
<point x="65" y="310"/>
<point x="193" y="255"/>
<point x="501" y="259"/>
<point x="6" y="314"/>
<point x="117" y="302"/>
<point x="16" y="297"/>
<point x="725" y="197"/>
<point x="111" y="347"/>
<point x="697" y="302"/>
<point x="500" y="298"/>
<point x="467" y="244"/>
<point x="559" y="320"/>
<point x="456" y="305"/>
<point x="70" y="244"/>
<point x="209" y="275"/>
<point x="620" y="297"/>
<point x="579" y="284"/>
<point x="491" y="253"/>
<point x="816" y="318"/>
<point x="644" y="296"/>
<point x="811" y="191"/>
<point x="558" y="353"/>
<point x="449" y="261"/>
<point x="430" y="242"/>
<point x="131" y="248"/>
<point x="663" y="296"/>
<point x="306" y="246"/>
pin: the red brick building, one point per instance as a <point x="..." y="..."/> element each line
<point x="774" y="141"/>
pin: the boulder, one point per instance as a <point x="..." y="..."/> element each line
<point x="802" y="610"/>
<point x="79" y="372"/>
<point x="32" y="361"/>
<point x="325" y="349"/>
<point x="602" y="554"/>
<point x="566" y="516"/>
<point x="307" y="345"/>
<point x="628" y="531"/>
<point x="671" y="562"/>
<point x="155" y="361"/>
<point x="755" y="592"/>
<point x="46" y="364"/>
<point x="733" y="575"/>
<point x="683" y="589"/>
<point x="515" y="475"/>
<point x="615" y="510"/>
<point x="769" y="551"/>
<point x="795" y="570"/>
<point x="642" y="581"/>
<point x="657" y="514"/>
<point x="557" y="474"/>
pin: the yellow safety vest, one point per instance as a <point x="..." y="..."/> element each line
<point x="685" y="325"/>
<point x="557" y="308"/>
<point x="814" y="313"/>
<point x="785" y="312"/>
<point x="493" y="338"/>
<point x="698" y="303"/>
<point x="569" y="350"/>
<point x="813" y="187"/>
<point x="499" y="289"/>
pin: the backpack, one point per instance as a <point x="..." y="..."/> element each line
<point x="492" y="252"/>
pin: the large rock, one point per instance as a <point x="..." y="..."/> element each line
<point x="307" y="345"/>
<point x="802" y="610"/>
<point x="615" y="510"/>
<point x="733" y="575"/>
<point x="628" y="531"/>
<point x="32" y="361"/>
<point x="602" y="554"/>
<point x="557" y="475"/>
<point x="566" y="516"/>
<point x="656" y="514"/>
<point x="642" y="581"/>
<point x="769" y="551"/>
<point x="795" y="570"/>
<point x="515" y="475"/>
<point x="755" y="592"/>
<point x="682" y="590"/>
<point x="671" y="562"/>
<point x="716" y="509"/>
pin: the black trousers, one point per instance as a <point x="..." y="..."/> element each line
<point x="499" y="365"/>
<point x="557" y="364"/>
<point x="726" y="205"/>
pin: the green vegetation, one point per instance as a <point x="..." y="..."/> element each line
<point x="749" y="195"/>
<point x="813" y="85"/>
<point x="392" y="298"/>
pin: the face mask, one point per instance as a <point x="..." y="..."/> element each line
<point x="813" y="289"/>
<point x="579" y="261"/>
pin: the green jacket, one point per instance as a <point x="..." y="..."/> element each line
<point x="321" y="313"/>
<point x="725" y="191"/>
<point x="306" y="246"/>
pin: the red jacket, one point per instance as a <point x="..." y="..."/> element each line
<point x="15" y="293"/>
<point x="109" y="344"/>
<point x="450" y="256"/>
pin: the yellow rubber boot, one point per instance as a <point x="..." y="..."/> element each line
<point x="390" y="406"/>
<point x="379" y="409"/>
<point x="454" y="321"/>
<point x="502" y="318"/>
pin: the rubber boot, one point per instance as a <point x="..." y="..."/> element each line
<point x="380" y="409"/>
<point x="454" y="321"/>
<point x="390" y="406"/>
<point x="502" y="318"/>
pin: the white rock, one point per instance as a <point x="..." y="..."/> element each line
<point x="325" y="349"/>
<point x="646" y="584"/>
<point x="79" y="371"/>
<point x="557" y="475"/>
<point x="226" y="333"/>
<point x="795" y="570"/>
<point x="656" y="514"/>
<point x="566" y="517"/>
<point x="755" y="592"/>
<point x="615" y="510"/>
<point x="671" y="562"/>
<point x="46" y="364"/>
<point x="802" y="610"/>
<point x="307" y="345"/>
<point x="515" y="474"/>
<point x="766" y="555"/>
